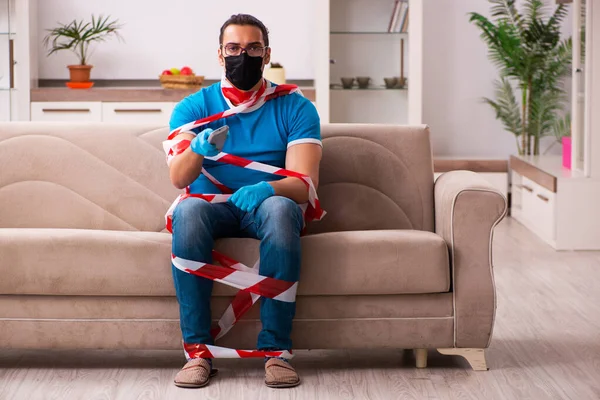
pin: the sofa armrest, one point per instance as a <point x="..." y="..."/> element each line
<point x="467" y="208"/>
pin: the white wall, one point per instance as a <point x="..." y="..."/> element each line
<point x="162" y="34"/>
<point x="456" y="72"/>
<point x="456" y="75"/>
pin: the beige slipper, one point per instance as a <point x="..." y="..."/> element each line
<point x="280" y="374"/>
<point x="195" y="373"/>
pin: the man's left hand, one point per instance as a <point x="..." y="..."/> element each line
<point x="248" y="198"/>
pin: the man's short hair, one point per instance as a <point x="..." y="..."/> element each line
<point x="245" y="19"/>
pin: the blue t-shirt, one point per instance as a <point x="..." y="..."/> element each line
<point x="262" y="135"/>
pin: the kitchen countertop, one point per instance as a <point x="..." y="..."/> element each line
<point x="110" y="94"/>
<point x="125" y="91"/>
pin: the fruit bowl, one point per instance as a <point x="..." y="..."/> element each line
<point x="181" y="81"/>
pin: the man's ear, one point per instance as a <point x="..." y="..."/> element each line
<point x="221" y="59"/>
<point x="267" y="58"/>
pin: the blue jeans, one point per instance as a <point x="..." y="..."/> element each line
<point x="277" y="223"/>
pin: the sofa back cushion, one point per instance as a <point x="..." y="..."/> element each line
<point x="84" y="176"/>
<point x="114" y="177"/>
<point x="375" y="177"/>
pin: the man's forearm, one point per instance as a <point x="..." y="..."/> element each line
<point x="185" y="168"/>
<point x="292" y="188"/>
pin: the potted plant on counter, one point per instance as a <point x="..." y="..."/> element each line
<point x="77" y="36"/>
<point x="275" y="74"/>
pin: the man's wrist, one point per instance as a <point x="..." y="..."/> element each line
<point x="272" y="188"/>
<point x="196" y="146"/>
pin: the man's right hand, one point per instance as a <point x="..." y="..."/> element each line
<point x="201" y="146"/>
<point x="186" y="167"/>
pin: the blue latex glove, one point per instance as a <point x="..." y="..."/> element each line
<point x="200" y="144"/>
<point x="248" y="198"/>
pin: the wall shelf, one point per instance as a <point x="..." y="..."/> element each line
<point x="361" y="45"/>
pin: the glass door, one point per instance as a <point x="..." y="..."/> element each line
<point x="6" y="59"/>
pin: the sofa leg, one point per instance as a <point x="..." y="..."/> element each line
<point x="421" y="357"/>
<point x="475" y="357"/>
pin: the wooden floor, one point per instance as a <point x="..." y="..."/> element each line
<point x="546" y="346"/>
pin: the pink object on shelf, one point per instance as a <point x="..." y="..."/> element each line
<point x="566" y="152"/>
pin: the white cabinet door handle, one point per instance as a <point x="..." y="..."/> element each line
<point x="140" y="110"/>
<point x="11" y="63"/>
<point x="58" y="110"/>
<point x="527" y="188"/>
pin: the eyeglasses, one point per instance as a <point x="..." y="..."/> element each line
<point x="254" y="50"/>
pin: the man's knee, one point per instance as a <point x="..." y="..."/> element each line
<point x="192" y="211"/>
<point x="281" y="211"/>
<point x="279" y="206"/>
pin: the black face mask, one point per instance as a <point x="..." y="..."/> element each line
<point x="243" y="71"/>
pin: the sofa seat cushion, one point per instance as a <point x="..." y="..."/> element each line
<point x="130" y="263"/>
<point x="363" y="262"/>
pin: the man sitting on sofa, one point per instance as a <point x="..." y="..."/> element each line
<point x="282" y="132"/>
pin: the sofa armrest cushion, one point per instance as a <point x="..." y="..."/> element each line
<point x="467" y="208"/>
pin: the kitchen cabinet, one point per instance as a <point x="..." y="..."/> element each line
<point x="559" y="205"/>
<point x="96" y="111"/>
<point x="536" y="207"/>
<point x="146" y="112"/>
<point x="67" y="111"/>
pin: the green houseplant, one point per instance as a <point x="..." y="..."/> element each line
<point x="77" y="36"/>
<point x="532" y="60"/>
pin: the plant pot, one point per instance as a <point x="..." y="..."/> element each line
<point x="566" y="152"/>
<point x="275" y="75"/>
<point x="80" y="73"/>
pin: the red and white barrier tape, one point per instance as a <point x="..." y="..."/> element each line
<point x="208" y="351"/>
<point x="266" y="92"/>
<point x="242" y="302"/>
<point x="247" y="281"/>
<point x="230" y="272"/>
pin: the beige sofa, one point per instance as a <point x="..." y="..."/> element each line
<point x="398" y="262"/>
